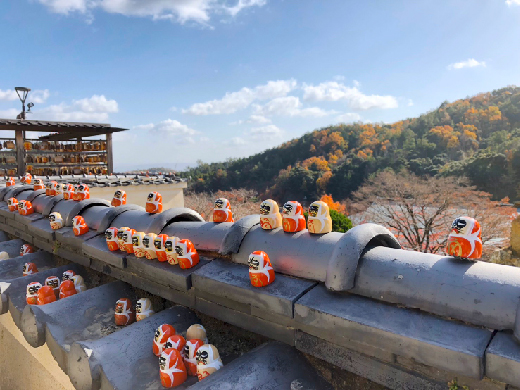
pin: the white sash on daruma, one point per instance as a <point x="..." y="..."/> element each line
<point x="264" y="271"/>
<point x="217" y="365"/>
<point x="171" y="370"/>
<point x="472" y="238"/>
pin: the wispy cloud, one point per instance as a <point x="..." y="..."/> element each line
<point x="179" y="11"/>
<point x="512" y="2"/>
<point x="290" y="106"/>
<point x="469" y="63"/>
<point x="357" y="100"/>
<point x="234" y="101"/>
<point x="171" y="128"/>
<point x="348" y="117"/>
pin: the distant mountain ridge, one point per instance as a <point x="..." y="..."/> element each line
<point x="478" y="137"/>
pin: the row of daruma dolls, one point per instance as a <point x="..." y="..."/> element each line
<point x="152" y="246"/>
<point x="52" y="289"/>
<point x="291" y="218"/>
<point x="180" y="357"/>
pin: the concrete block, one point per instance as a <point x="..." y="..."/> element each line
<point x="503" y="359"/>
<point x="343" y="264"/>
<point x="223" y="301"/>
<point x="388" y="375"/>
<point x="73" y="256"/>
<point x="3" y="237"/>
<point x="16" y="225"/>
<point x="44" y="245"/>
<point x="235" y="235"/>
<point x="16" y="291"/>
<point x="442" y="285"/>
<point x="13" y="268"/>
<point x="96" y="247"/>
<point x="207" y="236"/>
<point x="231" y="281"/>
<point x="430" y="340"/>
<point x="445" y="376"/>
<point x="41" y="229"/>
<point x="6" y="213"/>
<point x="8" y="229"/>
<point x="245" y="321"/>
<point x="27" y="219"/>
<point x="185" y="298"/>
<point x="93" y="319"/>
<point x="133" y="369"/>
<point x="271" y="366"/>
<point x="299" y="254"/>
<point x="163" y="272"/>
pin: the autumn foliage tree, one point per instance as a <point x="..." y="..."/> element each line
<point x="420" y="210"/>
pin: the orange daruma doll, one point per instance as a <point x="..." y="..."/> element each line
<point x="162" y="333"/>
<point x="154" y="203"/>
<point x="172" y="369"/>
<point x="119" y="198"/>
<point x="187" y="255"/>
<point x="260" y="271"/>
<point x="222" y="211"/>
<point x="465" y="239"/>
<point x="160" y="250"/>
<point x="111" y="239"/>
<point x="293" y="219"/>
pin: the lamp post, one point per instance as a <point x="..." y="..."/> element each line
<point x="22" y="93"/>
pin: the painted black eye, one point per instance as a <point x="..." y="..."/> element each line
<point x="135" y="241"/>
<point x="157" y="244"/>
<point x="168" y="246"/>
<point x="186" y="350"/>
<point x="287" y="208"/>
<point x="150" y="196"/>
<point x="162" y="363"/>
<point x="168" y="345"/>
<point x="118" y="194"/>
<point x="108" y="235"/>
<point x="146" y="242"/>
<point x="179" y="250"/>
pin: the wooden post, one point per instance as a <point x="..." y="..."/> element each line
<point x="110" y="158"/>
<point x="20" y="158"/>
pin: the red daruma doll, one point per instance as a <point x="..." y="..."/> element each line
<point x="46" y="295"/>
<point x="293" y="219"/>
<point x="465" y="239"/>
<point x="222" y="211"/>
<point x="67" y="289"/>
<point x="12" y="204"/>
<point x="190" y="355"/>
<point x="32" y="293"/>
<point x="119" y="198"/>
<point x="187" y="255"/>
<point x="159" y="244"/>
<point x="154" y="203"/>
<point x="124" y="313"/>
<point x="173" y="371"/>
<point x="111" y="239"/>
<point x="162" y="333"/>
<point x="260" y="271"/>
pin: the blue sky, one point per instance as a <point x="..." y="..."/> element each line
<point x="213" y="79"/>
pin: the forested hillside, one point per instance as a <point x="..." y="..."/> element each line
<point x="478" y="137"/>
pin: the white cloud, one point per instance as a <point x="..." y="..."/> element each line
<point x="334" y="91"/>
<point x="234" y="101"/>
<point x="348" y="117"/>
<point x="236" y="141"/>
<point x="339" y="78"/>
<point x="258" y="119"/>
<point x="39" y="96"/>
<point x="97" y="109"/>
<point x="512" y="2"/>
<point x="171" y="128"/>
<point x="266" y="132"/>
<point x="8" y="94"/>
<point x="244" y="4"/>
<point x="11" y="113"/>
<point x="469" y="63"/>
<point x="290" y="106"/>
<point x="410" y="102"/>
<point x="181" y="11"/>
